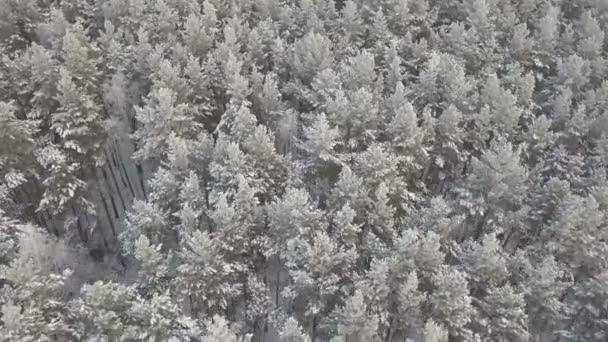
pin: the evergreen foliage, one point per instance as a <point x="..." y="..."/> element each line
<point x="301" y="171"/>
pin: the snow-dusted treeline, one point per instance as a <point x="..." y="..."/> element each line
<point x="304" y="170"/>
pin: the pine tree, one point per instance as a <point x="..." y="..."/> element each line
<point x="37" y="311"/>
<point x="450" y="301"/>
<point x="200" y="30"/>
<point x="443" y="82"/>
<point x="62" y="186"/>
<point x="351" y="22"/>
<point x="17" y="137"/>
<point x="320" y="272"/>
<point x="437" y="217"/>
<point x="291" y="217"/>
<point x="81" y="57"/>
<point x="43" y="77"/>
<point x="543" y="289"/>
<point x="356" y="115"/>
<point x="78" y="122"/>
<point x="160" y="118"/>
<point x="292" y="332"/>
<point x="9" y="239"/>
<point x="145" y="219"/>
<point x="204" y="279"/>
<point x="592" y="36"/>
<point x="409" y="303"/>
<point x="575" y="236"/>
<point x="320" y="142"/>
<point x="34" y="296"/>
<point x="381" y="215"/>
<point x="218" y="330"/>
<point x="497" y="185"/>
<point x="502" y="106"/>
<point x="359" y="71"/>
<point x="312" y="54"/>
<point x="503" y="312"/>
<point x="228" y="163"/>
<point x="434" y="332"/>
<point x="238" y="227"/>
<point x="355" y="324"/>
<point x="271" y="168"/>
<point x="349" y="189"/>
<point x="588" y="320"/>
<point x="484" y="263"/>
<point x="115" y="311"/>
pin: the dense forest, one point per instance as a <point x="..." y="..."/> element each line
<point x="304" y="170"/>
